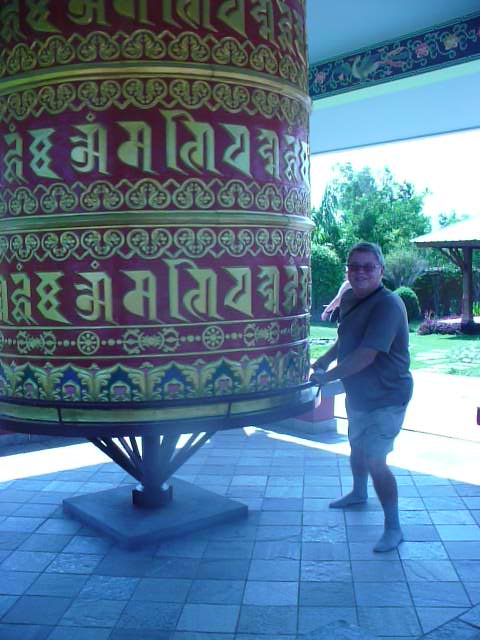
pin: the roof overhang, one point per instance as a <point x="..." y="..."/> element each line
<point x="417" y="73"/>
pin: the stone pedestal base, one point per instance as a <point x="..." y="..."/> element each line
<point x="113" y="513"/>
<point x="318" y="420"/>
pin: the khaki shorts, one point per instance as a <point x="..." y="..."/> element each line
<point x="375" y="431"/>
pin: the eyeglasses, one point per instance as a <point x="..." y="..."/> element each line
<point x="368" y="267"/>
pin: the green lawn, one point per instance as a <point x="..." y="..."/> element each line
<point x="457" y="355"/>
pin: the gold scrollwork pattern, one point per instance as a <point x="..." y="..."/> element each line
<point x="153" y="243"/>
<point x="144" y="46"/>
<point x="148" y="94"/>
<point x="155" y="342"/>
<point x="148" y="193"/>
<point x="175" y="380"/>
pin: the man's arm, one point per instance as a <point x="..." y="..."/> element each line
<point x="356" y="361"/>
<point x="328" y="357"/>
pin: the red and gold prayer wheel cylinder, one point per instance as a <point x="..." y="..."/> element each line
<point x="154" y="197"/>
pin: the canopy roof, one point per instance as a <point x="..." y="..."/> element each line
<point x="382" y="71"/>
<point x="460" y="234"/>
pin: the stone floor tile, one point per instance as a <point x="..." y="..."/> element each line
<point x="270" y="593"/>
<point x="364" y="518"/>
<point x="214" y="568"/>
<point x="340" y="630"/>
<point x="451" y="517"/>
<point x="109" y="587"/>
<point x="229" y="549"/>
<point x="472" y="617"/>
<point x="367" y="533"/>
<point x="277" y="550"/>
<point x="468" y="570"/>
<point x="216" y="591"/>
<point x="20" y="524"/>
<point x="459" y="532"/>
<point x="8" y="508"/>
<point x="463" y="550"/>
<point x="464" y="489"/>
<point x="89" y="612"/>
<point x="422" y="551"/>
<point x="419" y="533"/>
<point x="45" y="610"/>
<point x="35" y="510"/>
<point x="172" y="567"/>
<point x="57" y="584"/>
<point x="389" y="620"/>
<point x="27" y="561"/>
<point x="377" y="571"/>
<point x="429" y="491"/>
<point x="430" y="571"/>
<point x="161" y="616"/>
<point x="69" y="633"/>
<point x="282" y="504"/>
<point x="443" y="594"/>
<point x="332" y="531"/>
<point x="192" y="546"/>
<point x="45" y="542"/>
<point x="310" y="618"/>
<point x="476" y="515"/>
<point x="30" y="632"/>
<point x="59" y="525"/>
<point x="74" y="563"/>
<point x="12" y="540"/>
<point x="16" y="495"/>
<point x="161" y="589"/>
<point x="440" y="503"/>
<point x="434" y="617"/>
<point x="331" y="594"/>
<point x="6" y="602"/>
<point x="334" y="571"/>
<point x="267" y="619"/>
<point x="321" y="551"/>
<point x="269" y="518"/>
<point x="88" y="544"/>
<point x="209" y="618"/>
<point x="454" y="630"/>
<point x="472" y="503"/>
<point x="16" y="582"/>
<point x="332" y="517"/>
<point x="473" y="590"/>
<point x="145" y="634"/>
<point x="283" y="570"/>
<point x="364" y="551"/>
<point x="374" y="594"/>
<point x="124" y="563"/>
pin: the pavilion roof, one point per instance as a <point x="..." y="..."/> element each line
<point x="460" y="234"/>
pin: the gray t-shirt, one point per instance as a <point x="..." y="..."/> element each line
<point x="379" y="322"/>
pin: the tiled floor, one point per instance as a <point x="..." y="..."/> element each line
<point x="291" y="567"/>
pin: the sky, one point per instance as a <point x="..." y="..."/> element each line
<point x="448" y="165"/>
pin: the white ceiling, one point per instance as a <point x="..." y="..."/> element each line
<point x="431" y="103"/>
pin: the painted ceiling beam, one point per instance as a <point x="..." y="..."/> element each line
<point x="452" y="43"/>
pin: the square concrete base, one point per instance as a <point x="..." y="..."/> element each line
<point x="113" y="513"/>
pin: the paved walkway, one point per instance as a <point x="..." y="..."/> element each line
<point x="293" y="566"/>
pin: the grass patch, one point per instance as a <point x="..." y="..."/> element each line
<point x="456" y="355"/>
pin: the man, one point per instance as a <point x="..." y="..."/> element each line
<point x="373" y="362"/>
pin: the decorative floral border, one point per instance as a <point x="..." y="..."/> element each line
<point x="441" y="46"/>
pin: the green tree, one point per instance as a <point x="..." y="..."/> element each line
<point x="359" y="205"/>
<point x="404" y="265"/>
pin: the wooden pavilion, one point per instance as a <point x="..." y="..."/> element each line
<point x="457" y="242"/>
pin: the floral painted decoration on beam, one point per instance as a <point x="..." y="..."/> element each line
<point x="453" y="43"/>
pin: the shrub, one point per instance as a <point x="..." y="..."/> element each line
<point x="410" y="300"/>
<point x="433" y="325"/>
<point x="328" y="274"/>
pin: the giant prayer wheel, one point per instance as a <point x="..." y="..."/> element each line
<point x="154" y="199"/>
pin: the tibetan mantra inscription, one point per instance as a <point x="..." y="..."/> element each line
<point x="154" y="198"/>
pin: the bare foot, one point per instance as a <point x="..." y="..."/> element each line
<point x="348" y="500"/>
<point x="389" y="541"/>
